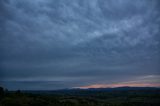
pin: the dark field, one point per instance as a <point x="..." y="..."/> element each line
<point x="78" y="97"/>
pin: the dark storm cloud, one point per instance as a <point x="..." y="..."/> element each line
<point x="78" y="42"/>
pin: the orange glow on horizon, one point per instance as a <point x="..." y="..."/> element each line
<point x="120" y="85"/>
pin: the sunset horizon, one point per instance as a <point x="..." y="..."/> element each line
<point x="118" y="85"/>
<point x="79" y="52"/>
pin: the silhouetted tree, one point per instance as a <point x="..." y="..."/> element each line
<point x="18" y="91"/>
<point x="1" y="92"/>
<point x="6" y="90"/>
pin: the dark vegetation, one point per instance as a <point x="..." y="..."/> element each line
<point x="124" y="96"/>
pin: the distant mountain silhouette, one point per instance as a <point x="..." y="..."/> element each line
<point x="79" y="91"/>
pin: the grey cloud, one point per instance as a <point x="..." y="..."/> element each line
<point x="97" y="39"/>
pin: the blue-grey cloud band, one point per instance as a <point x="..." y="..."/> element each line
<point x="73" y="43"/>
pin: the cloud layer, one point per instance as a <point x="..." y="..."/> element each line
<point x="70" y="43"/>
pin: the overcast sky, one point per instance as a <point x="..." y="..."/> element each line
<point x="56" y="44"/>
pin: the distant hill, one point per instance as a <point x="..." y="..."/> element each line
<point x="91" y="90"/>
<point x="126" y="88"/>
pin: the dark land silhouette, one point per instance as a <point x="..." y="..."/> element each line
<point x="122" y="96"/>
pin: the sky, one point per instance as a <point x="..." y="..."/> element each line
<point x="58" y="44"/>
